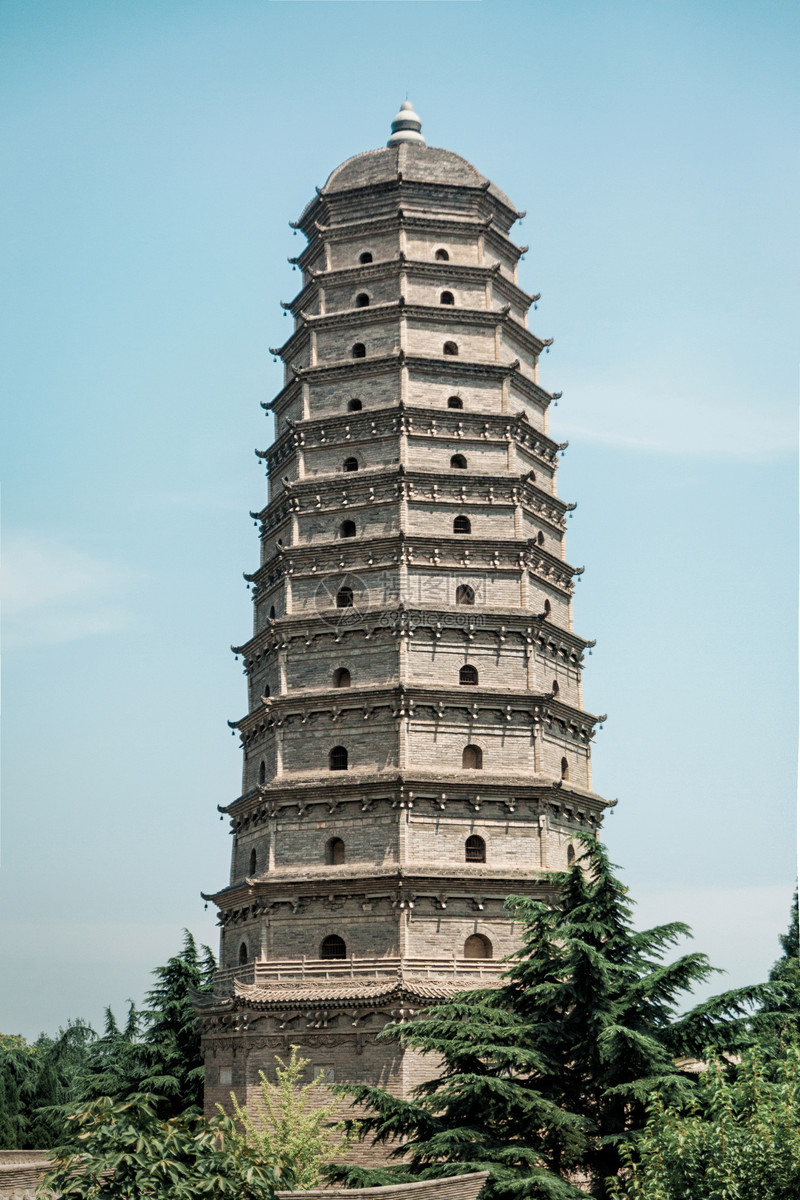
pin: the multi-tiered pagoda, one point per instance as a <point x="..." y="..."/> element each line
<point x="415" y="746"/>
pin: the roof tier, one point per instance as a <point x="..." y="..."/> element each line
<point x="413" y="163"/>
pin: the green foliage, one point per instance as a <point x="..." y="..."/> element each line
<point x="781" y="1010"/>
<point x="125" y="1151"/>
<point x="113" y="1059"/>
<point x="158" y="1049"/>
<point x="171" y="1060"/>
<point x="545" y="1078"/>
<point x="36" y="1080"/>
<point x="737" y="1139"/>
<point x="290" y="1125"/>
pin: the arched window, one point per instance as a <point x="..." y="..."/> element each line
<point x="455" y="402"/>
<point x="441" y="255"/>
<point x="362" y="300"/>
<point x="344" y="597"/>
<point x="468" y="675"/>
<point x="458" y="462"/>
<point x="447" y="298"/>
<point x="350" y="464"/>
<point x="477" y="946"/>
<point x="465" y="594"/>
<point x="570" y="855"/>
<point x="262" y="772"/>
<point x="337" y="759"/>
<point x="272" y="612"/>
<point x="450" y="348"/>
<point x="265" y="693"/>
<point x="333" y="947"/>
<point x="472" y="758"/>
<point x="334" y="852"/>
<point x="359" y="350"/>
<point x="253" y="862"/>
<point x="341" y="677"/>
<point x="243" y="954"/>
<point x="540" y="538"/>
<point x="347" y="529"/>
<point x="564" y="769"/>
<point x="555" y="688"/>
<point x="474" y="849"/>
<point x="365" y="257"/>
<point x="354" y="405"/>
<point x="462" y="525"/>
<point x="547" y="608"/>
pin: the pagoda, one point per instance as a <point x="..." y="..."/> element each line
<point x="415" y="746"/>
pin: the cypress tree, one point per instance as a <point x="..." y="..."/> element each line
<point x="547" y="1076"/>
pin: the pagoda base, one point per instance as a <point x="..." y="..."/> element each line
<point x="333" y="1012"/>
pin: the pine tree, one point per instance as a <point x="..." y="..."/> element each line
<point x="172" y="1065"/>
<point x="16" y="1069"/>
<point x="782" y="1008"/>
<point x="157" y="1051"/>
<point x="115" y="1060"/>
<point x="547" y="1076"/>
<point x="36" y="1081"/>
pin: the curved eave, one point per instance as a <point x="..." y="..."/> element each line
<point x="533" y="705"/>
<point x="445" y="225"/>
<point x="359" y="483"/>
<point x="299" y="624"/>
<point x="286" y="792"/>
<point x="359" y="424"/>
<point x="329" y="200"/>
<point x="299" y="555"/>
<point x="394" y="267"/>
<point x="380" y="314"/>
<point x="361" y="368"/>
<point x="369" y="879"/>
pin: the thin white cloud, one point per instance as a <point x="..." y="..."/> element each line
<point x="652" y="420"/>
<point x="52" y="593"/>
<point x="737" y="927"/>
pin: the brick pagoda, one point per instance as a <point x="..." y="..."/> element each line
<point x="415" y="746"/>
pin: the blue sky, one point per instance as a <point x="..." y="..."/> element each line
<point x="154" y="154"/>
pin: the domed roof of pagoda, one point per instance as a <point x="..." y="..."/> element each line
<point x="421" y="164"/>
<point x="408" y="155"/>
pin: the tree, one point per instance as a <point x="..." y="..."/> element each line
<point x="739" y="1137"/>
<point x="292" y="1126"/>
<point x="781" y="1009"/>
<point x="36" y="1080"/>
<point x="113" y="1064"/>
<point x="172" y="1062"/>
<point x="126" y="1152"/>
<point x="546" y="1077"/>
<point x="157" y="1051"/>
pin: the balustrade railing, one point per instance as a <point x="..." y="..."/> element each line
<point x="364" y="969"/>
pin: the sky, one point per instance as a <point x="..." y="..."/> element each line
<point x="154" y="152"/>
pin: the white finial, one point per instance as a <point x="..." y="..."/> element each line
<point x="406" y="126"/>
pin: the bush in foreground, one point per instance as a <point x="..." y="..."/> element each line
<point x="125" y="1151"/>
<point x="738" y="1139"/>
<point x="292" y="1126"/>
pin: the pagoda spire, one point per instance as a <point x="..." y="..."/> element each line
<point x="406" y="126"/>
